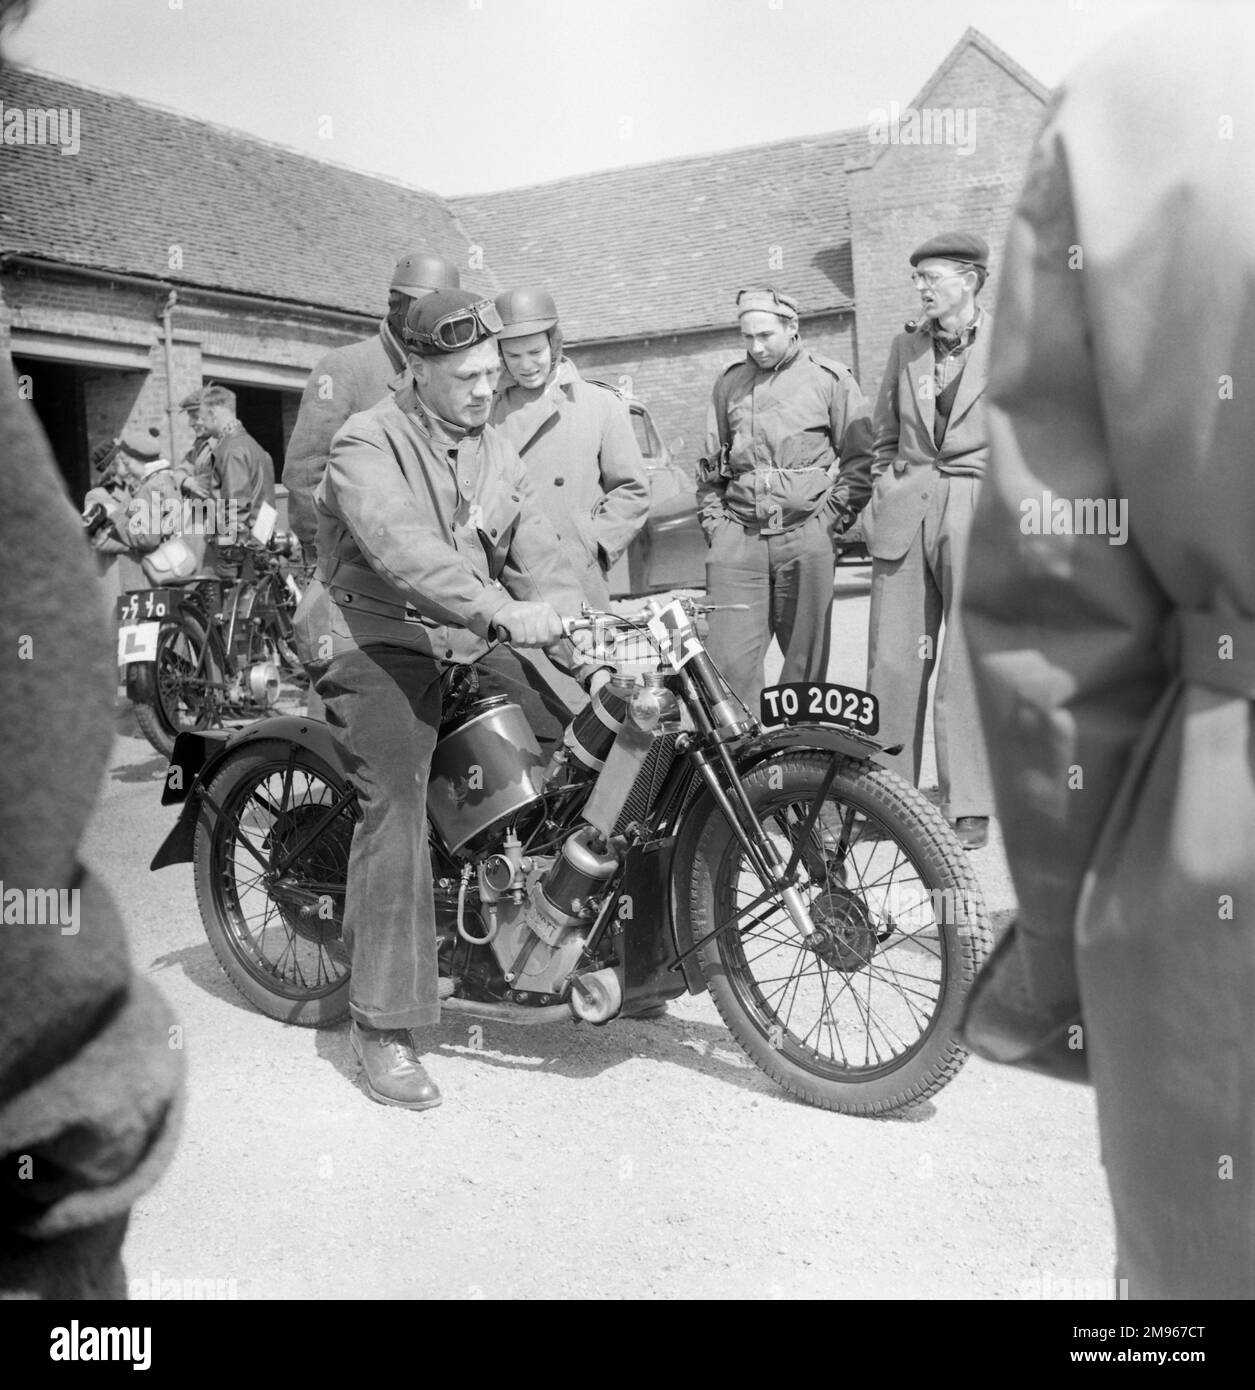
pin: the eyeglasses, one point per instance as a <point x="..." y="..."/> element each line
<point x="461" y="328"/>
<point x="930" y="278"/>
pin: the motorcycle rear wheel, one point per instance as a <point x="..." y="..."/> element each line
<point x="182" y="701"/>
<point x="863" y="1020"/>
<point x="277" y="937"/>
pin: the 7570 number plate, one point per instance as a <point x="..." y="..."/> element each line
<point x="818" y="702"/>
<point x="147" y="605"/>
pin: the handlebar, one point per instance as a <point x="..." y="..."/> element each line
<point x="592" y="621"/>
<point x="603" y="624"/>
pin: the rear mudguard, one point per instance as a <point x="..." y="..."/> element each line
<point x="141" y="682"/>
<point x="197" y="757"/>
<point x="141" y="676"/>
<point x="763" y="748"/>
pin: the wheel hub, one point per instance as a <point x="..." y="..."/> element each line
<point x="310" y="912"/>
<point x="844" y="935"/>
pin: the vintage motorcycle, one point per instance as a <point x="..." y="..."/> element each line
<point x="673" y="842"/>
<point x="210" y="650"/>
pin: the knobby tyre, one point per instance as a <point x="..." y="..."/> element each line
<point x="863" y="1019"/>
<point x="274" y="918"/>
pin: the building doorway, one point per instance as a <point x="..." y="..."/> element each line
<point x="55" y="389"/>
<point x="260" y="411"/>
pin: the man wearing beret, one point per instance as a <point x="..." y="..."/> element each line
<point x="931" y="448"/>
<point x="430" y="535"/>
<point x="787" y="467"/>
<point x="350" y="379"/>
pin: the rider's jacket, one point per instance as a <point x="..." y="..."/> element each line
<point x="424" y="532"/>
<point x="784" y="443"/>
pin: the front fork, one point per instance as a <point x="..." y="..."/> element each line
<point x="780" y="878"/>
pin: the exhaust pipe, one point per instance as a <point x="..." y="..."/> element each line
<point x="508" y="1013"/>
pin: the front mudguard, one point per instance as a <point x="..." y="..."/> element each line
<point x="197" y="757"/>
<point x="762" y="748"/>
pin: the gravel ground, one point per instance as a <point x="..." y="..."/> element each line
<point x="644" y="1159"/>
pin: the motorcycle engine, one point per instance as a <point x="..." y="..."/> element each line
<point x="258" y="684"/>
<point x="543" y="912"/>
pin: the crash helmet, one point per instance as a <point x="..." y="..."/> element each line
<point x="526" y="311"/>
<point x="421" y="273"/>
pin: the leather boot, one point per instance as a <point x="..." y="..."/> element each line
<point x="394" y="1074"/>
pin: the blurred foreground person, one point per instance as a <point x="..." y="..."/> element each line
<point x="88" y="1076"/>
<point x="89" y="1082"/>
<point x="1110" y="602"/>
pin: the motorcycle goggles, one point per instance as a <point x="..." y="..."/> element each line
<point x="460" y="329"/>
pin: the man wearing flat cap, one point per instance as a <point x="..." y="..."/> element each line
<point x="931" y="449"/>
<point x="195" y="469"/>
<point x="350" y="379"/>
<point x="787" y="468"/>
<point x="430" y="535"/>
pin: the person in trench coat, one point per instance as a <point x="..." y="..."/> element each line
<point x="575" y="437"/>
<point x="1114" y="645"/>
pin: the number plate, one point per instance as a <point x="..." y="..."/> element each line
<point x="140" y="615"/>
<point x="818" y="702"/>
<point x="147" y="605"/>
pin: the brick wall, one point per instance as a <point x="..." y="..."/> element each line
<point x="116" y="400"/>
<point x="674" y="376"/>
<point x="915" y="190"/>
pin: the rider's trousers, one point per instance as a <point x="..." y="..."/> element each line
<point x="383" y="709"/>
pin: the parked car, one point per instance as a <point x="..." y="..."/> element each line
<point x="669" y="552"/>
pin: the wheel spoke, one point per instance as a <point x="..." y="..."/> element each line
<point x="843" y="1001"/>
<point x="275" y="936"/>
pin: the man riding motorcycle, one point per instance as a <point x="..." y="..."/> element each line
<point x="430" y="536"/>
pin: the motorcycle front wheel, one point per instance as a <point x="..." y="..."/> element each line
<point x="861" y="1018"/>
<point x="271" y="859"/>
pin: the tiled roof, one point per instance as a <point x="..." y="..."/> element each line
<point x="644" y="251"/>
<point x="250" y="216"/>
<point x="662" y="248"/>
